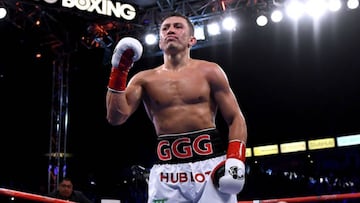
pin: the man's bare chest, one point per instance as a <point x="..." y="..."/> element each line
<point x="178" y="90"/>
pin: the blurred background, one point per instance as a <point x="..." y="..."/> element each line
<point x="295" y="76"/>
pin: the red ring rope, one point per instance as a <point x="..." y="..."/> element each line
<point x="308" y="198"/>
<point x="29" y="196"/>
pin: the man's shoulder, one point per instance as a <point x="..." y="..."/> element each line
<point x="205" y="63"/>
<point x="80" y="196"/>
<point x="147" y="72"/>
<point x="78" y="192"/>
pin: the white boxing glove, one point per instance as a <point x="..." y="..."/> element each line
<point x="234" y="177"/>
<point x="126" y="52"/>
<point x="229" y="175"/>
<point x="126" y="43"/>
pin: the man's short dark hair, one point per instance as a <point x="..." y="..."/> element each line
<point x="177" y="14"/>
<point x="66" y="178"/>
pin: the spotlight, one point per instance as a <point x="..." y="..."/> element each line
<point x="352" y="4"/>
<point x="213" y="29"/>
<point x="276" y="16"/>
<point x="229" y="23"/>
<point x="150" y="39"/>
<point x="261" y="20"/>
<point x="3" y="13"/>
<point x="199" y="32"/>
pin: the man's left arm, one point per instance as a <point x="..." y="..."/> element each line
<point x="231" y="177"/>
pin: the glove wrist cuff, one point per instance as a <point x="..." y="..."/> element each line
<point x="118" y="79"/>
<point x="115" y="91"/>
<point x="237" y="150"/>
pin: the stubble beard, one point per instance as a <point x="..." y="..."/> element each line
<point x="171" y="48"/>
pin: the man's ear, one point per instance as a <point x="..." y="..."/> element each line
<point x="192" y="41"/>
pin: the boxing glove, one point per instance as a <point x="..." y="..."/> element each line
<point x="229" y="175"/>
<point x="127" y="51"/>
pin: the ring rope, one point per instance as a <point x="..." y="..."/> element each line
<point x="35" y="197"/>
<point x="308" y="198"/>
<point x="30" y="196"/>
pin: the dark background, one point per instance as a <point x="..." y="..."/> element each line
<point x="294" y="81"/>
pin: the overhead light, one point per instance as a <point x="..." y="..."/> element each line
<point x="199" y="32"/>
<point x="3" y="13"/>
<point x="213" y="29"/>
<point x="334" y="5"/>
<point x="276" y="16"/>
<point x="295" y="10"/>
<point x="352" y="4"/>
<point x="150" y="39"/>
<point x="261" y="20"/>
<point x="229" y="23"/>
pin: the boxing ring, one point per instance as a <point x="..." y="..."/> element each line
<point x="320" y="198"/>
<point x="29" y="196"/>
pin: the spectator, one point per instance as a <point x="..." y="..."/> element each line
<point x="65" y="191"/>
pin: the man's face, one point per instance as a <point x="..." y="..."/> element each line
<point x="65" y="188"/>
<point x="175" y="35"/>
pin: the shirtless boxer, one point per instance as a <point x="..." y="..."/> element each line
<point x="181" y="98"/>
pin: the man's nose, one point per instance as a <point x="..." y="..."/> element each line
<point x="171" y="30"/>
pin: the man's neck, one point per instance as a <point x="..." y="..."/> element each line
<point x="176" y="61"/>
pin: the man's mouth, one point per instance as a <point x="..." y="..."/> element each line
<point x="170" y="38"/>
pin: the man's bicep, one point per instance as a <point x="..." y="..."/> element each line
<point x="227" y="103"/>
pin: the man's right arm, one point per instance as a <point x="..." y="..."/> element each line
<point x="119" y="106"/>
<point x="120" y="100"/>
